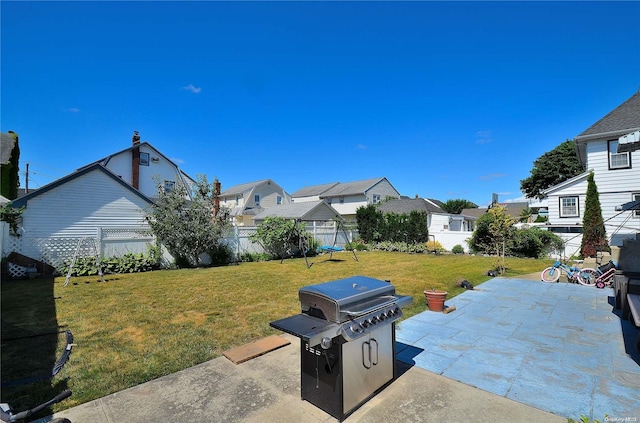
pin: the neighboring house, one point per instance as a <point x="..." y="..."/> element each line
<point x="245" y="201"/>
<point x="311" y="193"/>
<point x="513" y="209"/>
<point x="145" y="168"/>
<point x="446" y="228"/>
<point x="347" y="197"/>
<point x="103" y="203"/>
<point x="93" y="203"/>
<point x="617" y="176"/>
<point x="310" y="211"/>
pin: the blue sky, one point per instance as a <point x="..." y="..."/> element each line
<point x="445" y="99"/>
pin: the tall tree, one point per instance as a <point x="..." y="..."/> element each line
<point x="552" y="168"/>
<point x="9" y="179"/>
<point x="501" y="231"/>
<point x="370" y="223"/>
<point x="189" y="228"/>
<point x="456" y="206"/>
<point x="594" y="235"/>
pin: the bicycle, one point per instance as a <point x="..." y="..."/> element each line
<point x="574" y="274"/>
<point x="601" y="276"/>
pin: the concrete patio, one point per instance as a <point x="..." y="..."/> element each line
<point x="559" y="347"/>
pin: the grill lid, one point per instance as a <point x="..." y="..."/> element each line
<point x="343" y="299"/>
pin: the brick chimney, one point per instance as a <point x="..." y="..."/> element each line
<point x="216" y="197"/>
<point x="135" y="160"/>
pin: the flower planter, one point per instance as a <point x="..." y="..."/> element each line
<point x="435" y="299"/>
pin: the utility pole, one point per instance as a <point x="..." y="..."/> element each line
<point x="26" y="180"/>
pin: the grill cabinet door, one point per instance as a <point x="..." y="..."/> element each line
<point x="368" y="365"/>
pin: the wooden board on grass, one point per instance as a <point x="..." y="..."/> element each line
<point x="254" y="349"/>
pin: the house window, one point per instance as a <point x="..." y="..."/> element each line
<point x="569" y="207"/>
<point x="237" y="200"/>
<point x="169" y="186"/>
<point x="618" y="160"/>
<point x="329" y="200"/>
<point x="376" y="198"/>
<point x="279" y="200"/>
<point x="636" y="197"/>
<point x="256" y="199"/>
<point x="341" y="200"/>
<point x="144" y="159"/>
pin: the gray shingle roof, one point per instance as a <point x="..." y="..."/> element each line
<point x="351" y="188"/>
<point x="296" y="210"/>
<point x="624" y="118"/>
<point x="407" y="205"/>
<point x="314" y="190"/>
<point x="241" y="188"/>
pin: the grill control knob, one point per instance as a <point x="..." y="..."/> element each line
<point x="382" y="316"/>
<point x="356" y="327"/>
<point x="365" y="323"/>
<point x="325" y="343"/>
<point x="390" y="313"/>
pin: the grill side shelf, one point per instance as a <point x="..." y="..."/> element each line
<point x="308" y="328"/>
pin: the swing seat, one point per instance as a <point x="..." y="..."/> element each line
<point x="331" y="248"/>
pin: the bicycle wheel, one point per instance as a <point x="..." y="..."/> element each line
<point x="550" y="274"/>
<point x="588" y="277"/>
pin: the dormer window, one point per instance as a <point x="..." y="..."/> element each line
<point x="376" y="198"/>
<point x="144" y="159"/>
<point x="618" y="160"/>
<point x="169" y="186"/>
<point x="256" y="199"/>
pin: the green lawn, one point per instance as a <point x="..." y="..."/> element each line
<point x="137" y="327"/>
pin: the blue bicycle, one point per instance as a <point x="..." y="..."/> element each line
<point x="574" y="274"/>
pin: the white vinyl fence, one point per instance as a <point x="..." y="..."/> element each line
<point x="324" y="232"/>
<point x="55" y="251"/>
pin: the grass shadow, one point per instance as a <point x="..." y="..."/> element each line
<point x="31" y="342"/>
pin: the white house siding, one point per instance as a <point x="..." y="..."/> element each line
<point x="384" y="189"/>
<point x="305" y="199"/>
<point x="268" y="196"/>
<point x="446" y="229"/>
<point x="579" y="189"/>
<point x="82" y="207"/>
<point x="158" y="171"/>
<point x="615" y="187"/>
<point x="347" y="205"/>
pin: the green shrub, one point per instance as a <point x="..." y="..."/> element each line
<point x="254" y="257"/>
<point x="402" y="247"/>
<point x="128" y="263"/>
<point x="356" y="245"/>
<point x="221" y="254"/>
<point x="280" y="237"/>
<point x="457" y="249"/>
<point x="435" y="247"/>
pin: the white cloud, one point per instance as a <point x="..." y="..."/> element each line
<point x="192" y="88"/>
<point x="177" y="161"/>
<point x="491" y="176"/>
<point x="483" y="137"/>
<point x="73" y="109"/>
<point x="361" y="147"/>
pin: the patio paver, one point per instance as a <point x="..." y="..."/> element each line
<point x="558" y="347"/>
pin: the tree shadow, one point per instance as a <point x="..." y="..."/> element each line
<point x="31" y="342"/>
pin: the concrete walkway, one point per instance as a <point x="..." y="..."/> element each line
<point x="513" y="351"/>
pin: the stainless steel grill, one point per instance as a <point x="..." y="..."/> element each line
<point x="347" y="341"/>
